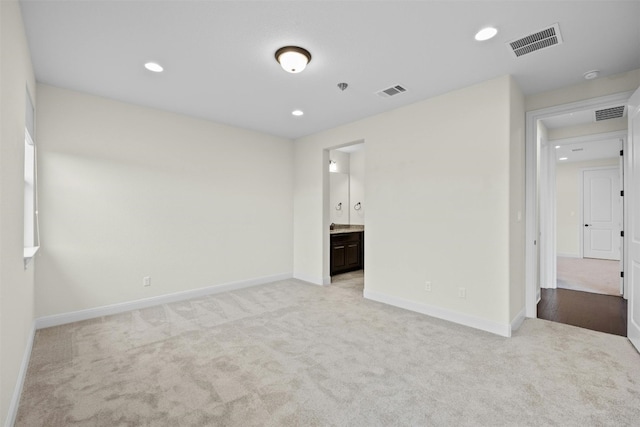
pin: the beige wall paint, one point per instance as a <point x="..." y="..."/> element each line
<point x="516" y="203"/>
<point x="128" y="191"/>
<point x="568" y="203"/>
<point x="16" y="283"/>
<point x="438" y="192"/>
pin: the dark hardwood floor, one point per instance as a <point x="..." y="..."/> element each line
<point x="604" y="313"/>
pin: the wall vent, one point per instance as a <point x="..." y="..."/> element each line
<point x="610" y="113"/>
<point x="543" y="39"/>
<point x="391" y="91"/>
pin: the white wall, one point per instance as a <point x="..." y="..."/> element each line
<point x="16" y="283"/>
<point x="569" y="220"/>
<point x="343" y="162"/>
<point x="438" y="178"/>
<point x="128" y="191"/>
<point x="356" y="186"/>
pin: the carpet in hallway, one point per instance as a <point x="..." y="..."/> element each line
<point x="600" y="276"/>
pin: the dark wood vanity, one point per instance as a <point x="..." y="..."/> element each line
<point x="347" y="252"/>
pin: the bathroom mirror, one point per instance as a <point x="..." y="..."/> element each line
<point x="346" y="185"/>
<point x="339" y="198"/>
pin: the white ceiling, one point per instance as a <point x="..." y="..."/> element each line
<point x="352" y="148"/>
<point x="219" y="63"/>
<point x="576" y="118"/>
<point x="591" y="150"/>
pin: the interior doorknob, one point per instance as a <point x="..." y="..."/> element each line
<point x="587" y="225"/>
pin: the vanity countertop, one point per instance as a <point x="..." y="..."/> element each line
<point x="344" y="228"/>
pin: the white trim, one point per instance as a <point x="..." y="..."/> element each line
<point x="595" y="137"/>
<point x="30" y="252"/>
<point x="581" y="212"/>
<point x="531" y="220"/>
<point x="92" y="313"/>
<point x="531" y="214"/>
<point x="518" y="320"/>
<point x="22" y="374"/>
<point x="503" y="329"/>
<point x="313" y="280"/>
<point x="548" y="234"/>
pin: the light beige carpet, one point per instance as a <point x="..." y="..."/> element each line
<point x="600" y="276"/>
<point x="294" y="354"/>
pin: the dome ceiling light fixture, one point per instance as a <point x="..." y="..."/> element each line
<point x="293" y="59"/>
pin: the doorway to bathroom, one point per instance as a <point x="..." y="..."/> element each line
<point x="346" y="212"/>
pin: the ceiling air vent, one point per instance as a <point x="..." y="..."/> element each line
<point x="391" y="91"/>
<point x="610" y="113"/>
<point x="542" y="39"/>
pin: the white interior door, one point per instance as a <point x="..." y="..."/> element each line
<point x="632" y="174"/>
<point x="602" y="213"/>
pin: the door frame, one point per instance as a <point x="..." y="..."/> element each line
<point x="532" y="220"/>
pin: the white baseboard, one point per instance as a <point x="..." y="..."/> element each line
<point x="22" y="374"/>
<point x="517" y="321"/>
<point x="503" y="329"/>
<point x="314" y="280"/>
<point x="92" y="313"/>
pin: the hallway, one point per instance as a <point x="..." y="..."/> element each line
<point x="603" y="313"/>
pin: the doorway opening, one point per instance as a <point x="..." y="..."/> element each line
<point x="588" y="214"/>
<point x="575" y="260"/>
<point x="346" y="214"/>
<point x="587" y="185"/>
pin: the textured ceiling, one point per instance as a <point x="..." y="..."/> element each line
<point x="219" y="63"/>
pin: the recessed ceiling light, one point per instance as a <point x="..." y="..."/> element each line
<point x="297" y="112"/>
<point x="557" y="146"/>
<point x="154" y="66"/>
<point x="563" y="158"/>
<point x="590" y="75"/>
<point x="486" y="34"/>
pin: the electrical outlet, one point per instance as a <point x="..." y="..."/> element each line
<point x="462" y="292"/>
<point x="146" y="281"/>
<point x="427" y="286"/>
